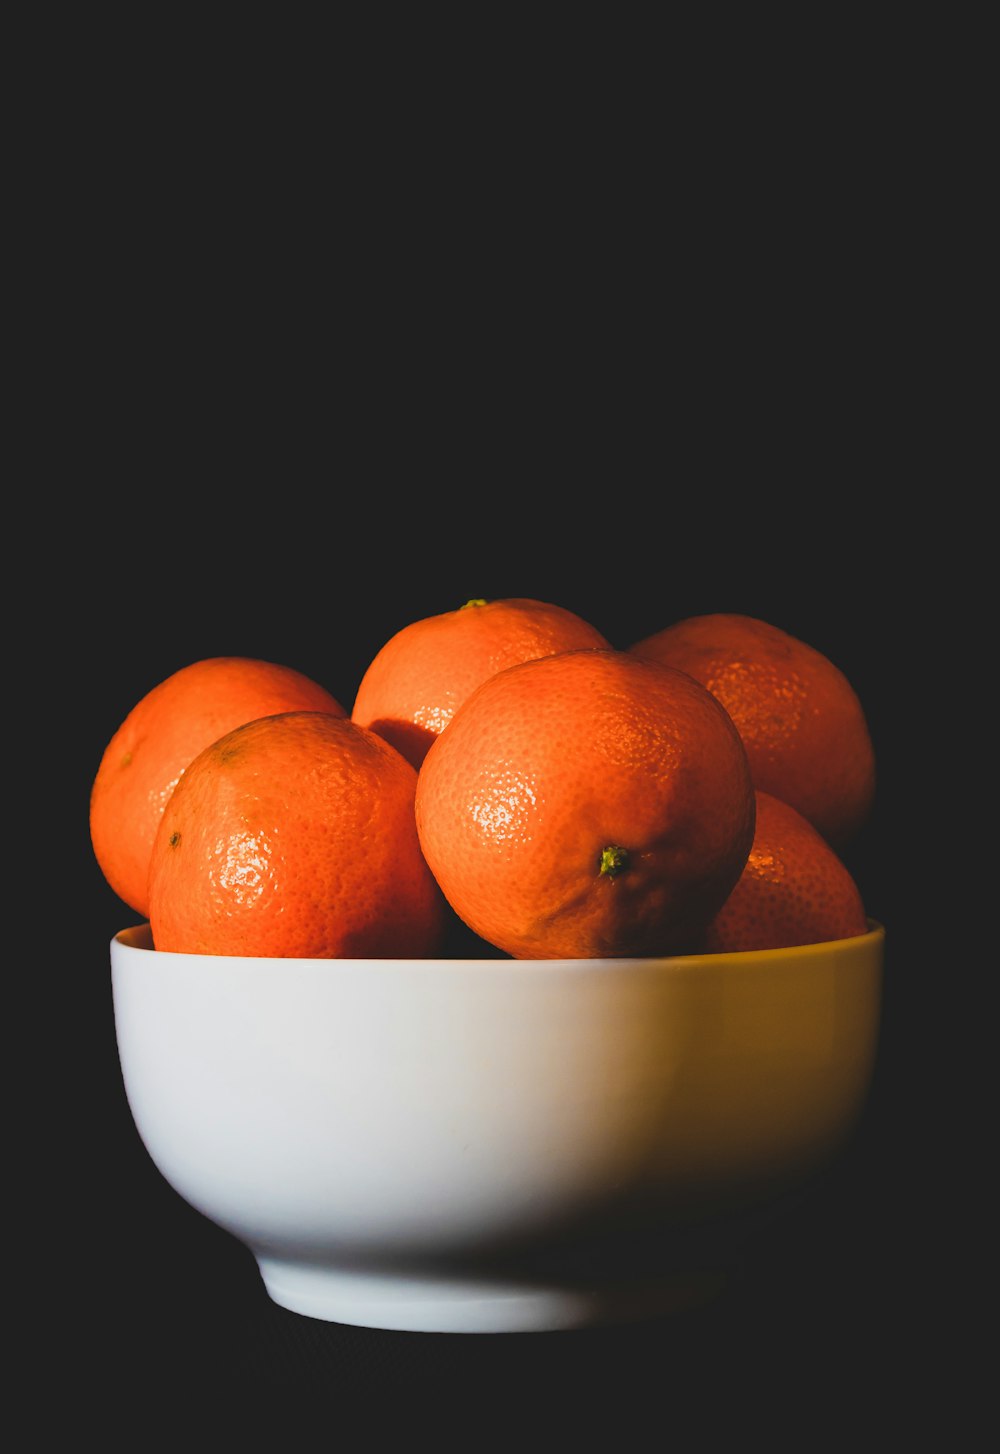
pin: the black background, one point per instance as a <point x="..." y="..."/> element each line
<point x="275" y="411"/>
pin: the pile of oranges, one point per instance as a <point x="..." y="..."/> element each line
<point x="505" y="771"/>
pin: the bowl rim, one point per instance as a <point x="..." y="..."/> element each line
<point x="133" y="937"/>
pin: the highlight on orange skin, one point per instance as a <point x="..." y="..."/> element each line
<point x="294" y="836"/>
<point x="146" y="757"/>
<point x="587" y="804"/>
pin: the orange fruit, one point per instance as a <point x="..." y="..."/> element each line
<point x="421" y="676"/>
<point x="793" y="890"/>
<point x="585" y="804"/>
<point x="161" y="734"/>
<point x="801" y="721"/>
<point x="294" y="835"/>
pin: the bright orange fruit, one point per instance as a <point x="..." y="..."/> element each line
<point x="801" y="721"/>
<point x="421" y="676"/>
<point x="793" y="890"/>
<point x="586" y="804"/>
<point x="294" y="835"/>
<point x="168" y="727"/>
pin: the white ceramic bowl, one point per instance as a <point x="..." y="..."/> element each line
<point x="492" y="1145"/>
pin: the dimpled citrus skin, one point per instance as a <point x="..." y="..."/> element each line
<point x="294" y="835"/>
<point x="793" y="890"/>
<point x="801" y="721"/>
<point x="165" y="729"/>
<point x="556" y="766"/>
<point x="416" y="682"/>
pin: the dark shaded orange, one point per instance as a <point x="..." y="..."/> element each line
<point x="794" y="888"/>
<point x="800" y="719"/>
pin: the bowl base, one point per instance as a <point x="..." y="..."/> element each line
<point x="418" y="1303"/>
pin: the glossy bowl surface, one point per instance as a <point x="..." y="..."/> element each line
<point x="492" y="1145"/>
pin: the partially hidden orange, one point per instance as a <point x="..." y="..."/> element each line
<point x="587" y="804"/>
<point x="145" y="758"/>
<point x="794" y="889"/>
<point x="800" y="719"/>
<point x="420" y="677"/>
<point x="294" y="836"/>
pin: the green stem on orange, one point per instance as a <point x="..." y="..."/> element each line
<point x="614" y="860"/>
<point x="475" y="601"/>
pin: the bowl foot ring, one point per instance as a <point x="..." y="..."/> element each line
<point x="413" y="1302"/>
